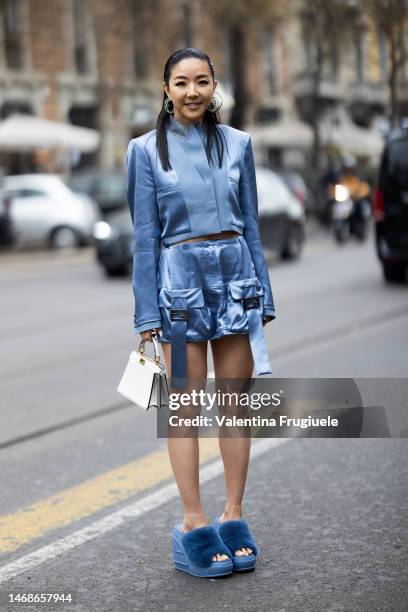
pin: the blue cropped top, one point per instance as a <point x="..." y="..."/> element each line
<point x="194" y="198"/>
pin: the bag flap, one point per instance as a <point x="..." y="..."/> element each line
<point x="245" y="287"/>
<point x="181" y="298"/>
<point x="144" y="361"/>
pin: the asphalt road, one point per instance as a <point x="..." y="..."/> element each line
<point x="87" y="503"/>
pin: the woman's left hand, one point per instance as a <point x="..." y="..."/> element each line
<point x="266" y="320"/>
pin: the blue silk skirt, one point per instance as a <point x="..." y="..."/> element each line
<point x="209" y="289"/>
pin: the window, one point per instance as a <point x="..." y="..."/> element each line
<point x="140" y="56"/>
<point x="13" y="34"/>
<point x="142" y="37"/>
<point x="186" y="25"/>
<point x="226" y="56"/>
<point x="308" y="54"/>
<point x="25" y="193"/>
<point x="402" y="53"/>
<point x="111" y="186"/>
<point x="359" y="54"/>
<point x="382" y="51"/>
<point x="333" y="59"/>
<point x="80" y="47"/>
<point x="270" y="61"/>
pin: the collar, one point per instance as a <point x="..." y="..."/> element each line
<point x="180" y="129"/>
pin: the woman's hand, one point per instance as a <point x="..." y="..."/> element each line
<point x="266" y="320"/>
<point x="147" y="335"/>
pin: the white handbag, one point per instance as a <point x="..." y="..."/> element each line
<point x="144" y="381"/>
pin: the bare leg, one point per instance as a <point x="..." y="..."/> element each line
<point x="184" y="449"/>
<point x="232" y="357"/>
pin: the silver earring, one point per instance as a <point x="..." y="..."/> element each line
<point x="166" y="106"/>
<point x="215" y="103"/>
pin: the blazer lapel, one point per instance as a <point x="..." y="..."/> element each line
<point x="202" y="186"/>
<point x="194" y="149"/>
<point x="220" y="180"/>
<point x="189" y="154"/>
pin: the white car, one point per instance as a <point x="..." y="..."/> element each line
<point x="44" y="211"/>
<point x="281" y="215"/>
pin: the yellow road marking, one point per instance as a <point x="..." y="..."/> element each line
<point x="83" y="500"/>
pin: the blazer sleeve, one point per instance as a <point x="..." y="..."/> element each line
<point x="141" y="198"/>
<point x="249" y="206"/>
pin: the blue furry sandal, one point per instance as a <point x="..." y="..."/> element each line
<point x="235" y="534"/>
<point x="193" y="552"/>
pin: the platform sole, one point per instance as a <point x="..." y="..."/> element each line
<point x="244" y="568"/>
<point x="191" y="571"/>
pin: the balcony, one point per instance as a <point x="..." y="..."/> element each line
<point x="329" y="89"/>
<point x="368" y="94"/>
<point x="403" y="92"/>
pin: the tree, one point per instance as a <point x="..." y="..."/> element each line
<point x="107" y="21"/>
<point x="326" y="24"/>
<point x="240" y="16"/>
<point x="391" y="17"/>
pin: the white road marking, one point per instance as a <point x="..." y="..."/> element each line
<point x="116" y="519"/>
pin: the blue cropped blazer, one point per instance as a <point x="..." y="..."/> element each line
<point x="194" y="198"/>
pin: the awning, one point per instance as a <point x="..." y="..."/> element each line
<point x="286" y="133"/>
<point x="25" y="132"/>
<point x="350" y="137"/>
<point x="227" y="99"/>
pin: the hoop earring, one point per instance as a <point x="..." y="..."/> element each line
<point x="215" y="103"/>
<point x="166" y="106"/>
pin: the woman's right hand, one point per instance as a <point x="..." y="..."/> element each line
<point x="147" y="335"/>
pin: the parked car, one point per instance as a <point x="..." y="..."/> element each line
<point x="295" y="182"/>
<point x="6" y="225"/>
<point x="45" y="211"/>
<point x="108" y="189"/>
<point x="281" y="215"/>
<point x="113" y="239"/>
<point x="281" y="221"/>
<point x="391" y="208"/>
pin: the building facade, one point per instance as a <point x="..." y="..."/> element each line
<point x="99" y="63"/>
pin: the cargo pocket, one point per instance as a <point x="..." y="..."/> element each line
<point x="185" y="305"/>
<point x="242" y="295"/>
<point x="173" y="211"/>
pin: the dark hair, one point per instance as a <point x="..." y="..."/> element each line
<point x="210" y="119"/>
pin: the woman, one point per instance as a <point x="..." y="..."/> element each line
<point x="192" y="193"/>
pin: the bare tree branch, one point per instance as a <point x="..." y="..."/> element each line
<point x="391" y="16"/>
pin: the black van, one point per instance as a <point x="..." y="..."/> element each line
<point x="391" y="207"/>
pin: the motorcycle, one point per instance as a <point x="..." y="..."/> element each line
<point x="348" y="216"/>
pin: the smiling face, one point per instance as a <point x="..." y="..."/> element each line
<point x="190" y="88"/>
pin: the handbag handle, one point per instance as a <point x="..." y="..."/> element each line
<point x="156" y="348"/>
